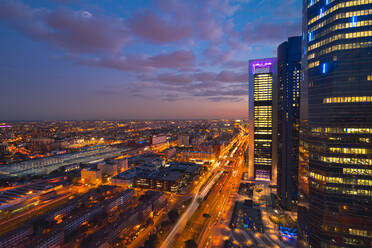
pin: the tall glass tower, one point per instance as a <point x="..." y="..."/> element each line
<point x="335" y="168"/>
<point x="262" y="106"/>
<point x="289" y="77"/>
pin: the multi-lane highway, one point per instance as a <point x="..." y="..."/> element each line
<point x="181" y="223"/>
<point x="211" y="210"/>
<point x="201" y="191"/>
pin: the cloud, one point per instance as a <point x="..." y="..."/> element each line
<point x="13" y="10"/>
<point x="225" y="99"/>
<point x="108" y="92"/>
<point x="76" y="31"/>
<point x="208" y="29"/>
<point x="231" y="76"/>
<point x="176" y="59"/>
<point x="176" y="79"/>
<point x="142" y="63"/>
<point x="154" y="29"/>
<point x="237" y="64"/>
<point x="267" y="32"/>
<point x="172" y="97"/>
<point x="205" y="76"/>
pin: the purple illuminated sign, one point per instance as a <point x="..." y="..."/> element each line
<point x="265" y="65"/>
<point x="2" y="126"/>
<point x="261" y="63"/>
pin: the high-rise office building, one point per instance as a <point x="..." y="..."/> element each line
<point x="289" y="77"/>
<point x="262" y="114"/>
<point x="335" y="164"/>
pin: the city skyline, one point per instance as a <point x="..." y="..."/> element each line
<point x="143" y="60"/>
<point x="186" y="123"/>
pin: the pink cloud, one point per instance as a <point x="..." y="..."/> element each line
<point x="270" y="32"/>
<point x="208" y="29"/>
<point x="13" y="10"/>
<point x="170" y="78"/>
<point x="230" y="76"/>
<point x="175" y="59"/>
<point x="205" y="76"/>
<point x="141" y="63"/>
<point x="152" y="28"/>
<point x="77" y="31"/>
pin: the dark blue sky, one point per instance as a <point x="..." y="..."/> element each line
<point x="110" y="59"/>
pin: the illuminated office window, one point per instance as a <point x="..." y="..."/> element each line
<point x="343" y="16"/>
<point x="330" y="130"/>
<point x="348" y="99"/>
<point x="358" y="232"/>
<point x="339" y="6"/>
<point x="345" y="160"/>
<point x="354" y="171"/>
<point x="339" y="37"/>
<point x="348" y="150"/>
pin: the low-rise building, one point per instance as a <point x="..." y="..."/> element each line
<point x="17" y="238"/>
<point x="108" y="168"/>
<point x="158" y="139"/>
<point x="122" y="164"/>
<point x="61" y="212"/>
<point x="191" y="156"/>
<point x="53" y="239"/>
<point x="170" y="152"/>
<point x="121" y="201"/>
<point x="126" y="178"/>
<point x="76" y="222"/>
<point x="172" y="181"/>
<point x="172" y="178"/>
<point x="91" y="176"/>
<point x="184" y="140"/>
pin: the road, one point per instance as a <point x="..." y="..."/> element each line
<point x="222" y="211"/>
<point x="200" y="226"/>
<point x="200" y="194"/>
<point x="182" y="221"/>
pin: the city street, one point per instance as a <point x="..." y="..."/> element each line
<point x="201" y="193"/>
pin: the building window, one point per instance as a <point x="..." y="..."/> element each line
<point x="348" y="99"/>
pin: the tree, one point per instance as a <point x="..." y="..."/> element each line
<point x="191" y="244"/>
<point x="205" y="215"/>
<point x="152" y="241"/>
<point x="86" y="240"/>
<point x="164" y="223"/>
<point x="40" y="224"/>
<point x="142" y="198"/>
<point x="173" y="215"/>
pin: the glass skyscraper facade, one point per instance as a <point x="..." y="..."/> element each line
<point x="289" y="77"/>
<point x="261" y="100"/>
<point x="335" y="163"/>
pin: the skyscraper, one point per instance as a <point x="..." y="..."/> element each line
<point x="262" y="113"/>
<point x="335" y="168"/>
<point x="289" y="77"/>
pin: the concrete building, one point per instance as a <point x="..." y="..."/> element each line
<point x="263" y="119"/>
<point x="184" y="140"/>
<point x="3" y="149"/>
<point x="91" y="176"/>
<point x="121" y="201"/>
<point x="158" y="139"/>
<point x="47" y="165"/>
<point x="108" y="169"/>
<point x="16" y="238"/>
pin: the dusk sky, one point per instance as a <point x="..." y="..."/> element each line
<point x="135" y="59"/>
